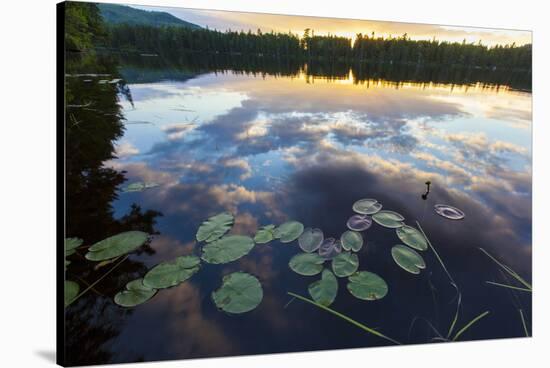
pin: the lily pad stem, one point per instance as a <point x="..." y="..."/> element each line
<point x="97" y="281"/>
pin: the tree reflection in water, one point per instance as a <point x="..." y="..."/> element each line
<point x="94" y="122"/>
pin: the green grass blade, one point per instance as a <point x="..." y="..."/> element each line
<point x="470" y="325"/>
<point x="451" y="328"/>
<point x="509" y="286"/>
<point x="346" y="318"/>
<point x="290" y="301"/>
<point x="437" y="255"/>
<point x="453" y="283"/>
<point x="523" y="323"/>
<point x="508" y="270"/>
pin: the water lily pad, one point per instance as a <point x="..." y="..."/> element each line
<point x="351" y="240"/>
<point x="227" y="249"/>
<point x="240" y="292"/>
<point x="310" y="240"/>
<point x="324" y="291"/>
<point x="116" y="245"/>
<point x="71" y="291"/>
<point x="289" y="231"/>
<point x="139" y="186"/>
<point x="412" y="237"/>
<point x="408" y="259"/>
<point x="264" y="234"/>
<point x="450" y="212"/>
<point x="136" y="293"/>
<point x="345" y="264"/>
<point x="71" y="244"/>
<point x="134" y="187"/>
<point x="367" y="206"/>
<point x="307" y="264"/>
<point x="359" y="222"/>
<point x="388" y="219"/>
<point x="215" y="227"/>
<point x="330" y="248"/>
<point x="171" y="273"/>
<point x="367" y="286"/>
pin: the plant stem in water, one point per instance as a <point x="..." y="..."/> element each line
<point x="97" y="281"/>
<point x="523" y="323"/>
<point x="346" y="318"/>
<point x="470" y="325"/>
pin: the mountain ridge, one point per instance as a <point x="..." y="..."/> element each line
<point x="122" y="14"/>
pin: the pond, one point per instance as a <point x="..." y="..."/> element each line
<point x="160" y="146"/>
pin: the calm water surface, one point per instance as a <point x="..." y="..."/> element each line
<point x="269" y="148"/>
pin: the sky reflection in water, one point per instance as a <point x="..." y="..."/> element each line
<point x="275" y="148"/>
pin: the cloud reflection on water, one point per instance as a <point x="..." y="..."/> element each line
<point x="288" y="149"/>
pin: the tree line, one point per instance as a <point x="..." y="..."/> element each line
<point x="85" y="29"/>
<point x="171" y="40"/>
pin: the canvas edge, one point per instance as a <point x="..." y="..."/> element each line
<point x="60" y="183"/>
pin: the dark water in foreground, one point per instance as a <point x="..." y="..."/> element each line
<point x="275" y="146"/>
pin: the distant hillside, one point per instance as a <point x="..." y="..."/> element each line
<point x="118" y="14"/>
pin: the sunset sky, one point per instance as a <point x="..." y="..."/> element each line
<point x="223" y="20"/>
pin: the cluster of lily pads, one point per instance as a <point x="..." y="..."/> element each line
<point x="242" y="292"/>
<point x="341" y="252"/>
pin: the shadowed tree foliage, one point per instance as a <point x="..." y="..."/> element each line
<point x="83" y="26"/>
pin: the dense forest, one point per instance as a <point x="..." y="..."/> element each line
<point x="85" y="29"/>
<point x="169" y="41"/>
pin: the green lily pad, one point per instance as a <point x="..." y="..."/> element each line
<point x="324" y="291"/>
<point x="330" y="248"/>
<point x="71" y="244"/>
<point x="412" y="237"/>
<point x="240" y="292"/>
<point x="367" y="286"/>
<point x="171" y="273"/>
<point x="71" y="291"/>
<point x="215" y="227"/>
<point x="367" y="206"/>
<point x="408" y="259"/>
<point x="264" y="234"/>
<point x="311" y="240"/>
<point x="351" y="240"/>
<point x="345" y="264"/>
<point x="307" y="264"/>
<point x="135" y="294"/>
<point x="134" y="187"/>
<point x="227" y="249"/>
<point x="116" y="245"/>
<point x="139" y="186"/>
<point x="388" y="219"/>
<point x="289" y="231"/>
